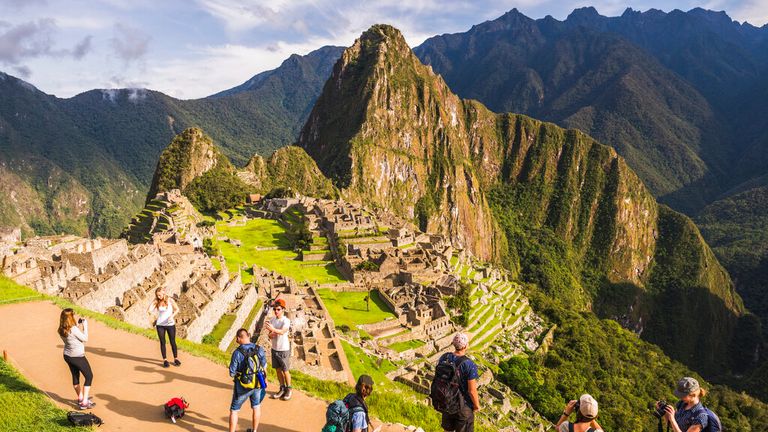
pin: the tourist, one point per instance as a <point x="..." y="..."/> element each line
<point x="75" y="334"/>
<point x="357" y="406"/>
<point x="464" y="420"/>
<point x="239" y="393"/>
<point x="166" y="309"/>
<point x="690" y="415"/>
<point x="279" y="327"/>
<point x="586" y="416"/>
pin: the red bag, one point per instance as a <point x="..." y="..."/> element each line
<point x="175" y="408"/>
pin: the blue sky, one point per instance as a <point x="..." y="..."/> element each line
<point x="193" y="48"/>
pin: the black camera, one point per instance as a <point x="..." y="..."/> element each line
<point x="660" y="409"/>
<point x="577" y="406"/>
<point x="79" y="320"/>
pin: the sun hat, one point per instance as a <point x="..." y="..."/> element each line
<point x="279" y="302"/>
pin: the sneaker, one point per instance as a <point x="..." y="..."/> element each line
<point x="176" y="362"/>
<point x="86" y="406"/>
<point x="279" y="394"/>
<point x="78" y="402"/>
<point x="166" y="364"/>
<point x="287" y="395"/>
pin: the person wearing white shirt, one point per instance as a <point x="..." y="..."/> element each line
<point x="279" y="330"/>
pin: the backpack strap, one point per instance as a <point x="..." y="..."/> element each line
<point x="570" y="427"/>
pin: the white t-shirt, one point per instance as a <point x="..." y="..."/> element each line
<point x="564" y="427"/>
<point x="281" y="342"/>
<point x="165" y="314"/>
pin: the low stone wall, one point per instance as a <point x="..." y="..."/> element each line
<point x="110" y="292"/>
<point x="247" y="305"/>
<point x="213" y="310"/>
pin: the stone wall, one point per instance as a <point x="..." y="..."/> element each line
<point x="246" y="306"/>
<point x="96" y="260"/>
<point x="110" y="291"/>
<point x="211" y="312"/>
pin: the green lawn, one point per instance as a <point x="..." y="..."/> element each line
<point x="11" y="292"/>
<point x="269" y="233"/>
<point x="347" y="307"/>
<point x="247" y="324"/>
<point x="26" y="408"/>
<point x="406" y="345"/>
<point x="361" y="363"/>
<point x="221" y="328"/>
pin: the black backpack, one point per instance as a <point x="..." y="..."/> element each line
<point x="713" y="421"/>
<point x="78" y="418"/>
<point x="445" y="391"/>
<point x="570" y="428"/>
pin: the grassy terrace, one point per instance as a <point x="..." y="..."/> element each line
<point x="348" y="308"/>
<point x="265" y="233"/>
<point x="26" y="408"/>
<point x="407" y="345"/>
<point x="219" y="330"/>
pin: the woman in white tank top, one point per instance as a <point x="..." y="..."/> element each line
<point x="165" y="309"/>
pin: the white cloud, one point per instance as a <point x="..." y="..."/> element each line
<point x="129" y="43"/>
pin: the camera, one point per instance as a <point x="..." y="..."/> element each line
<point x="80" y="320"/>
<point x="659" y="409"/>
<point x="577" y="406"/>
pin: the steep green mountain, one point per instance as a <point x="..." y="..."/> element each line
<point x="390" y="133"/>
<point x="289" y="167"/>
<point x="680" y="95"/>
<point x="579" y="76"/>
<point x="737" y="229"/>
<point x="83" y="164"/>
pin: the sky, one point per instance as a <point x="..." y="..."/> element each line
<point x="193" y="48"/>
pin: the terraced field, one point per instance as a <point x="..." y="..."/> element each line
<point x="496" y="305"/>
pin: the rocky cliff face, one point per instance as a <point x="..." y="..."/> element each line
<point x="390" y="133"/>
<point x="190" y="155"/>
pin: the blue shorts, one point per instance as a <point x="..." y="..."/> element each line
<point x="239" y="395"/>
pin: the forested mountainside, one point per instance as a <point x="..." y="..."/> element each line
<point x="680" y="95"/>
<point x="83" y="164"/>
<point x="390" y="134"/>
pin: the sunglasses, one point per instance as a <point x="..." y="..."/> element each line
<point x="277" y="308"/>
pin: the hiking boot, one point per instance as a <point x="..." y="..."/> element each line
<point x="287" y="394"/>
<point x="166" y="364"/>
<point x="279" y="394"/>
<point x="176" y="362"/>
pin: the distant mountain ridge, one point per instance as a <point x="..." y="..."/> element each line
<point x="104" y="144"/>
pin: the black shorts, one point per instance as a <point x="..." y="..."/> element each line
<point x="281" y="360"/>
<point x="463" y="421"/>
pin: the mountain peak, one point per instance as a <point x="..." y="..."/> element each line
<point x="583" y="14"/>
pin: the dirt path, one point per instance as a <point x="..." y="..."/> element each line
<point x="130" y="385"/>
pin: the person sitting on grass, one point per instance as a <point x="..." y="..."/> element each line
<point x="239" y="393"/>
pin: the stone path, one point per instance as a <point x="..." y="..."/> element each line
<point x="130" y="385"/>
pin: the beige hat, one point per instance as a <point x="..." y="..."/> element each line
<point x="588" y="406"/>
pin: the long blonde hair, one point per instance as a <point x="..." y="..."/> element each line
<point x="164" y="301"/>
<point x="66" y="322"/>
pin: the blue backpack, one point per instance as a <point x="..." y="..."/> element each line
<point x="713" y="421"/>
<point x="338" y="415"/>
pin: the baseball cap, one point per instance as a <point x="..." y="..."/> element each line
<point x="588" y="406"/>
<point x="460" y="341"/>
<point x="686" y="386"/>
<point x="279" y="302"/>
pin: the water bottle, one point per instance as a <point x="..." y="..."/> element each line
<point x="262" y="379"/>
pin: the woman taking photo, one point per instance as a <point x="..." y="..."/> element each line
<point x="165" y="309"/>
<point x="75" y="334"/>
<point x="690" y="415"/>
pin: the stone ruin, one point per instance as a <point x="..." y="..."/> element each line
<point x="315" y="345"/>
